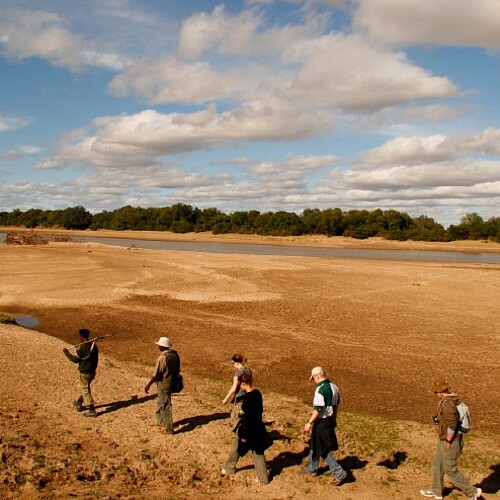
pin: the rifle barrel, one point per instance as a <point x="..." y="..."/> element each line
<point x="93" y="340"/>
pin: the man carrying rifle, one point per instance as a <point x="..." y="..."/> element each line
<point x="87" y="357"/>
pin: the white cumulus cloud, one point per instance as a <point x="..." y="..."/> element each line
<point x="350" y="73"/>
<point x="48" y="35"/>
<point x="141" y="139"/>
<point x="461" y="23"/>
<point x="242" y="34"/>
<point x="167" y="79"/>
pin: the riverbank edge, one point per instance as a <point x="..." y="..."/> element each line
<point x="320" y="241"/>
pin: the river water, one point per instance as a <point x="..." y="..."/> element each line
<point x="294" y="251"/>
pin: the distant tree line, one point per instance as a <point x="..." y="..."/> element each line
<point x="181" y="218"/>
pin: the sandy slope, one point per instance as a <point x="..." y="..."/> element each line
<point x="50" y="451"/>
<point x="382" y="329"/>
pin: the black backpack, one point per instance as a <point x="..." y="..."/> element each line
<point x="178" y="384"/>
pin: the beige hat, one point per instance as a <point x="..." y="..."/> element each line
<point x="164" y="342"/>
<point x="440" y="384"/>
<point x="317" y="370"/>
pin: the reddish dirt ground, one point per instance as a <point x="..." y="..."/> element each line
<point x="383" y="330"/>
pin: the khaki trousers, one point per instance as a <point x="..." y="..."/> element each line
<point x="164" y="410"/>
<point x="445" y="462"/>
<point x="86" y="394"/>
<point x="258" y="460"/>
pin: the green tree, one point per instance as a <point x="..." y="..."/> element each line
<point x="221" y="224"/>
<point x="244" y="222"/>
<point x="101" y="220"/>
<point x="127" y="217"/>
<point x="311" y="220"/>
<point x="458" y="232"/>
<point x="32" y="218"/>
<point x="182" y="226"/>
<point x="71" y="218"/>
<point x="355" y="219"/>
<point x="206" y="219"/>
<point x="427" y="229"/>
<point x="280" y="224"/>
<point x="492" y="227"/>
<point x="332" y="222"/>
<point x="397" y="225"/>
<point x="475" y="226"/>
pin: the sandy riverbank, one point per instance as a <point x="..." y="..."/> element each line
<point x="383" y="330"/>
<point x="316" y="240"/>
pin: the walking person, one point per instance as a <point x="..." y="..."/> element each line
<point x="236" y="394"/>
<point x="165" y="375"/>
<point x="87" y="358"/>
<point x="322" y="424"/>
<point x="449" y="446"/>
<point x="251" y="433"/>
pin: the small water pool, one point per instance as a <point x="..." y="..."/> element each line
<point x="26" y="321"/>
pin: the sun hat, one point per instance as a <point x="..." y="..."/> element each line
<point x="317" y="370"/>
<point x="440" y="384"/>
<point x="164" y="342"/>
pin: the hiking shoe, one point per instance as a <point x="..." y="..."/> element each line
<point x="314" y="473"/>
<point x="337" y="481"/>
<point x="476" y="495"/>
<point x="431" y="494"/>
<point x="91" y="412"/>
<point x="78" y="404"/>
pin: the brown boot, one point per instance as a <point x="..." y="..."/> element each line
<point x="78" y="404"/>
<point x="91" y="412"/>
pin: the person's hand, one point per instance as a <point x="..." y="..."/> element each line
<point x="307" y="427"/>
<point x="447" y="445"/>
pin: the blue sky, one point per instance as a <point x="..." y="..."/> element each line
<point x="257" y="104"/>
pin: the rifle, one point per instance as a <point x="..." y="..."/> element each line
<point x="76" y="346"/>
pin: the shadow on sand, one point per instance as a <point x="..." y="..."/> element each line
<point x="491" y="483"/>
<point x="118" y="405"/>
<point x="397" y="459"/>
<point x="190" y="423"/>
<point x="349" y="464"/>
<point x="290" y="459"/>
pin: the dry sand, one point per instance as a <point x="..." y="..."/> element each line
<point x="383" y="330"/>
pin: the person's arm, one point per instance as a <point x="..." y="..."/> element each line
<point x="70" y="356"/>
<point x="152" y="380"/>
<point x="450" y="421"/>
<point x="159" y="369"/>
<point x="95" y="357"/>
<point x="232" y="391"/>
<point x="319" y="404"/>
<point x="312" y="419"/>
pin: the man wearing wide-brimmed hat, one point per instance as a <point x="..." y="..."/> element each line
<point x="166" y="372"/>
<point x="449" y="446"/>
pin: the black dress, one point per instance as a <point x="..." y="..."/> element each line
<point x="251" y="427"/>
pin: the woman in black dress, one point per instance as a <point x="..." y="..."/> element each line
<point x="251" y="433"/>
